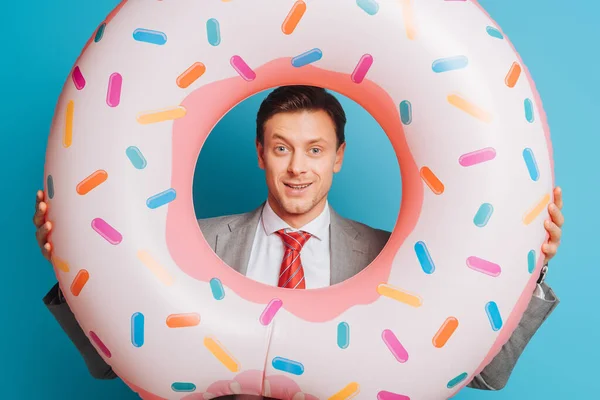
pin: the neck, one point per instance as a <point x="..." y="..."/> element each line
<point x="297" y="221"/>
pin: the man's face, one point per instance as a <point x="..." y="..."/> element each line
<point x="299" y="157"/>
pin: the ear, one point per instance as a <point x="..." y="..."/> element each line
<point x="260" y="152"/>
<point x="339" y="158"/>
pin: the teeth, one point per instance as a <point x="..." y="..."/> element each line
<point x="299" y="187"/>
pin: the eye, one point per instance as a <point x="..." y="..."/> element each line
<point x="280" y="149"/>
<point x="315" y="150"/>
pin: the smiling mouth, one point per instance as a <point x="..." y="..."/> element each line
<point x="298" y="187"/>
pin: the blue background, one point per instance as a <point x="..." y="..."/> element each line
<point x="558" y="41"/>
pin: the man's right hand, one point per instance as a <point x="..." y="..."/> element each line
<point x="43" y="226"/>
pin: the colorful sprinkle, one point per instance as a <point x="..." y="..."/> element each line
<point x="137" y="329"/>
<point x="289" y="366"/>
<point x="60" y="264"/>
<point x="394" y="345"/>
<point x="78" y="78"/>
<point x="371" y="7"/>
<point x="68" y="136"/>
<point x="150" y="36"/>
<point x="91" y="182"/>
<point x="293" y="18"/>
<point x="155" y="267"/>
<point x="221" y="354"/>
<point x="455" y="381"/>
<point x="113" y="94"/>
<point x="100" y="344"/>
<point x="242" y="68"/>
<point x="213" y="32"/>
<point x="217" y="289"/>
<point x="343" y="335"/>
<point x="484" y="266"/>
<point x="531" y="261"/>
<point x="307" y="57"/>
<point x="183" y="387"/>
<point x="399" y="295"/>
<point x="483" y="215"/>
<point x="50" y="184"/>
<point x="494" y="316"/>
<point x="162" y="198"/>
<point x="513" y="75"/>
<point x="534" y="212"/>
<point x="432" y="181"/>
<point x="348" y="392"/>
<point x="361" y="69"/>
<point x="424" y="257"/>
<point x="493" y="32"/>
<point x="409" y="19"/>
<point x="79" y="282"/>
<point x="109" y="233"/>
<point x="270" y="311"/>
<point x="449" y="64"/>
<point x="477" y="157"/>
<point x="100" y="33"/>
<point x="384" y="395"/>
<point x="190" y="75"/>
<point x="529" y="115"/>
<point x="406" y="112"/>
<point x="183" y="320"/>
<point x="166" y="114"/>
<point x="136" y="157"/>
<point x="532" y="167"/>
<point x="445" y="332"/>
<point x="470" y="108"/>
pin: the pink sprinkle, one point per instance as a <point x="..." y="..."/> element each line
<point x="100" y="345"/>
<point x="483" y="266"/>
<point x="383" y="395"/>
<point x="106" y="231"/>
<point x="478" y="156"/>
<point x="269" y="313"/>
<point x="242" y="68"/>
<point x="78" y="78"/>
<point x="394" y="345"/>
<point x="113" y="96"/>
<point x="362" y="68"/>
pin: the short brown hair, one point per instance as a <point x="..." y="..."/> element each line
<point x="297" y="98"/>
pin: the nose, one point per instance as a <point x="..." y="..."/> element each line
<point x="298" y="164"/>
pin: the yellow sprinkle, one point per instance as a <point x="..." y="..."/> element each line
<point x="350" y="391"/>
<point x="221" y="354"/>
<point x="68" y="136"/>
<point x="60" y="264"/>
<point x="536" y="210"/>
<point x="469" y="108"/>
<point x="399" y="295"/>
<point x="409" y="19"/>
<point x="166" y="114"/>
<point x="155" y="267"/>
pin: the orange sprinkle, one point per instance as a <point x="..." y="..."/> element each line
<point x="513" y="75"/>
<point x="60" y="264"/>
<point x="445" y="332"/>
<point x="92" y="181"/>
<point x="536" y="210"/>
<point x="68" y="136"/>
<point x="183" y="320"/>
<point x="409" y="19"/>
<point x="293" y="17"/>
<point x="79" y="282"/>
<point x="432" y="181"/>
<point x="190" y="75"/>
<point x="470" y="108"/>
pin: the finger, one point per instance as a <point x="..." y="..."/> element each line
<point x="40" y="213"/>
<point x="42" y="233"/>
<point x="47" y="251"/>
<point x="554" y="231"/>
<point x="549" y="249"/>
<point x="557" y="216"/>
<point x="558" y="200"/>
<point x="39" y="196"/>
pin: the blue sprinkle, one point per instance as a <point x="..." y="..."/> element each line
<point x="532" y="167"/>
<point x="285" y="365"/>
<point x="528" y="104"/>
<point x="50" y="184"/>
<point x="306" y="58"/>
<point x="531" y="261"/>
<point x="136" y="157"/>
<point x="424" y="258"/>
<point x="217" y="289"/>
<point x="149" y="36"/>
<point x="100" y="33"/>
<point x="371" y="7"/>
<point x="449" y="64"/>
<point x="483" y="215"/>
<point x="137" y="329"/>
<point x="406" y="112"/>
<point x="493" y="32"/>
<point x="213" y="32"/>
<point x="455" y="381"/>
<point x="161" y="199"/>
<point x="494" y="316"/>
<point x="183" y="387"/>
<point x="343" y="335"/>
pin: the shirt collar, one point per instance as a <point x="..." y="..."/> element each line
<point x="318" y="227"/>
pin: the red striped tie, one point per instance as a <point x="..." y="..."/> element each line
<point x="291" y="274"/>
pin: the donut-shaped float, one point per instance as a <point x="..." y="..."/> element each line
<point x="431" y="311"/>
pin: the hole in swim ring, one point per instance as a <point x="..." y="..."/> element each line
<point x="298" y="175"/>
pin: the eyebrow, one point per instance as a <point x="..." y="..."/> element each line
<point x="316" y="140"/>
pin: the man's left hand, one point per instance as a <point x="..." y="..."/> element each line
<point x="553" y="226"/>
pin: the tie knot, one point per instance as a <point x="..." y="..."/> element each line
<point x="294" y="240"/>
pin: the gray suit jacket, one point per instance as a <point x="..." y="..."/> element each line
<point x="353" y="246"/>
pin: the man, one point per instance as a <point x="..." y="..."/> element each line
<point x="300" y="144"/>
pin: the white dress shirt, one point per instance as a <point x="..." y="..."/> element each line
<point x="267" y="249"/>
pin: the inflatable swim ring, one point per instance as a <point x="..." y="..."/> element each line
<point x="174" y="321"/>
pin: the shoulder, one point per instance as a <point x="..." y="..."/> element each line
<point x="228" y="223"/>
<point x="369" y="232"/>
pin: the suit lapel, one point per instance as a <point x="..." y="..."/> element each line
<point x="348" y="253"/>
